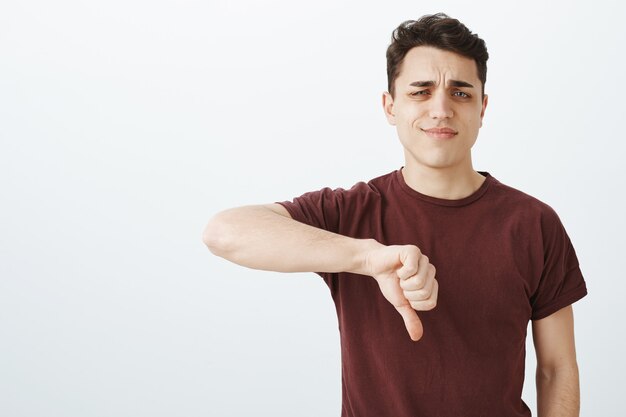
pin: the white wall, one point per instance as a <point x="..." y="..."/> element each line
<point x="124" y="125"/>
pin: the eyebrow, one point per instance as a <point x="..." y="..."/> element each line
<point x="452" y="83"/>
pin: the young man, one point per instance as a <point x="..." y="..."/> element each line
<point x="502" y="257"/>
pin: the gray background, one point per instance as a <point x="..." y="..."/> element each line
<point x="124" y="125"/>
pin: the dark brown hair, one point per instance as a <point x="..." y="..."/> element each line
<point x="440" y="31"/>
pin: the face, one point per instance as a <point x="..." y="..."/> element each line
<point x="438" y="108"/>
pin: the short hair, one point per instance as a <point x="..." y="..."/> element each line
<point x="440" y="31"/>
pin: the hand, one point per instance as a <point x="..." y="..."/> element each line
<point x="407" y="280"/>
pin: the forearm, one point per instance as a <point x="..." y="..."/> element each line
<point x="256" y="237"/>
<point x="558" y="392"/>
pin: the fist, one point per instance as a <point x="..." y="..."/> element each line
<point x="418" y="283"/>
<point x="407" y="280"/>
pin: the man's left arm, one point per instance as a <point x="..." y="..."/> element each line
<point x="558" y="391"/>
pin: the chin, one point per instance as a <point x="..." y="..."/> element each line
<point x="439" y="165"/>
<point x="434" y="159"/>
<point x="434" y="164"/>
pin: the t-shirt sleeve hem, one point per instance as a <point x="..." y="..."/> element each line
<point x="561" y="302"/>
<point x="292" y="210"/>
<point x="296" y="214"/>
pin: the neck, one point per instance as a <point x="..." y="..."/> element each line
<point x="451" y="183"/>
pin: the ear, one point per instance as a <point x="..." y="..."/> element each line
<point x="388" y="108"/>
<point x="482" y="112"/>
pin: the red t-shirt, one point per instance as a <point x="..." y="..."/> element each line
<point x="502" y="258"/>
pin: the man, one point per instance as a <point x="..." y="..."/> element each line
<point x="453" y="257"/>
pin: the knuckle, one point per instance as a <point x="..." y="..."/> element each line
<point x="431" y="269"/>
<point x="416" y="249"/>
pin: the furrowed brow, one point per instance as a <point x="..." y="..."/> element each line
<point x="459" y="83"/>
<point x="422" y="84"/>
<point x="452" y="83"/>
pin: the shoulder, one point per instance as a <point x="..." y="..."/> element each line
<point x="525" y="213"/>
<point x="522" y="203"/>
<point x="363" y="195"/>
<point x="364" y="190"/>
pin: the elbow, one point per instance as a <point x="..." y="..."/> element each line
<point x="215" y="235"/>
<point x="550" y="373"/>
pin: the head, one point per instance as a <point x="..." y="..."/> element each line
<point x="439" y="31"/>
<point x="436" y="78"/>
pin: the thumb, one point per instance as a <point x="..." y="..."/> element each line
<point x="412" y="322"/>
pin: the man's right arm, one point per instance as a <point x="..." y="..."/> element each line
<point x="266" y="237"/>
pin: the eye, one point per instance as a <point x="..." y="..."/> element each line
<point x="462" y="94"/>
<point x="419" y="93"/>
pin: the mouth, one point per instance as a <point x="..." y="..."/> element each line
<point x="440" y="132"/>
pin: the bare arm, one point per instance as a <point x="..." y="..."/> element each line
<point x="266" y="237"/>
<point x="558" y="393"/>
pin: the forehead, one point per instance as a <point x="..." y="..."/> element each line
<point x="430" y="63"/>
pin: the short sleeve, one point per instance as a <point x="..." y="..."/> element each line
<point x="316" y="208"/>
<point x="562" y="282"/>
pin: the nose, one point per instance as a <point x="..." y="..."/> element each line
<point x="440" y="106"/>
